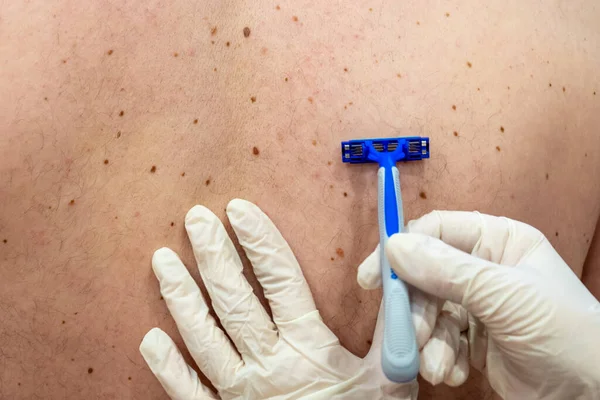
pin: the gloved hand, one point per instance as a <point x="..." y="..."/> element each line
<point x="292" y="356"/>
<point x="533" y="327"/>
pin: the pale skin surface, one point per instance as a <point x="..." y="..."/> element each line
<point x="96" y="95"/>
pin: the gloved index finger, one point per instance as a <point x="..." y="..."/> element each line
<point x="497" y="239"/>
<point x="274" y="264"/>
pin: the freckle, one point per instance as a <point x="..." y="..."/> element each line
<point x="246" y="32"/>
<point x="549" y="85"/>
<point x="19" y="383"/>
<point x="330" y="186"/>
<point x="119" y="134"/>
<point x="183" y="174"/>
<point x="370" y="9"/>
<point x="215" y="69"/>
<point x="585" y="155"/>
<point x="502" y="129"/>
<point x="122" y="89"/>
<point x="564" y="89"/>
<point x="447" y="14"/>
<point x="469" y="64"/>
<point x="264" y="51"/>
<point x="328" y="162"/>
<point x="345" y="194"/>
<point x="213" y="31"/>
<point x="556" y="234"/>
<point x="109" y="52"/>
<point x="196" y="121"/>
<point x="212" y="42"/>
<point x="90" y="370"/>
<point x="478" y="89"/>
<point x="153" y="169"/>
<point x="277" y="7"/>
<point x="64" y="61"/>
<point x="369" y="342"/>
<point x="314" y="142"/>
<point x="286" y="79"/>
<point x="75" y="313"/>
<point x="63" y="321"/>
<point x="172" y="223"/>
<point x="49" y="207"/>
<point x="253" y="99"/>
<point x="399" y="75"/>
<point x="345" y="69"/>
<point x="455" y="133"/>
<point x="508" y="87"/>
<point x="116" y="217"/>
<point x="498" y="148"/>
<point x="207" y="182"/>
<point x="295" y="19"/>
<point x="587" y="240"/>
<point x="255" y="151"/>
<point x="423" y="195"/>
<point x="310" y="100"/>
<point x="72" y="202"/>
<point x="594" y="93"/>
<point x="453" y="107"/>
<point x="105" y="162"/>
<point x="418" y="23"/>
<point x="340" y="252"/>
<point x="45" y="98"/>
<point x="547" y="176"/>
<point x="72" y="359"/>
<point x="176" y="54"/>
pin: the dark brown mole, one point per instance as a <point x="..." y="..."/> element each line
<point x="64" y="61"/>
<point x="286" y="79"/>
<point x="345" y="69"/>
<point x="19" y="383"/>
<point x="547" y="176"/>
<point x="255" y="151"/>
<point x="594" y="93"/>
<point x="72" y="202"/>
<point x="105" y="161"/>
<point x="423" y="195"/>
<point x="207" y="182"/>
<point x="227" y="44"/>
<point x="253" y="99"/>
<point x="246" y="32"/>
<point x="478" y="89"/>
<point x="176" y="54"/>
<point x="498" y="148"/>
<point x="332" y="258"/>
<point x="556" y="234"/>
<point x="215" y="69"/>
<point x="295" y="19"/>
<point x="5" y="241"/>
<point x="75" y="313"/>
<point x="153" y="169"/>
<point x="455" y="133"/>
<point x="45" y="98"/>
<point x="72" y="359"/>
<point x="469" y="64"/>
<point x="564" y="89"/>
<point x="90" y="370"/>
<point x="314" y="142"/>
<point x="183" y="174"/>
<point x="328" y="162"/>
<point x="109" y="52"/>
<point x="212" y="42"/>
<point x="345" y="194"/>
<point x="369" y="342"/>
<point x="549" y="84"/>
<point x="121" y="113"/>
<point x="501" y="129"/>
<point x="129" y="378"/>
<point x="213" y="31"/>
<point x="196" y="121"/>
<point x="119" y="134"/>
<point x="172" y="223"/>
<point x="339" y="251"/>
<point x="330" y="186"/>
<point x="63" y="321"/>
<point x="453" y="107"/>
<point x="161" y="298"/>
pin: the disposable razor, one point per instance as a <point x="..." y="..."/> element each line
<point x="399" y="350"/>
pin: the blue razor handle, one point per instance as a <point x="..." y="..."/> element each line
<point x="399" y="352"/>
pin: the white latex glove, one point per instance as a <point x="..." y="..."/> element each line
<point x="294" y="355"/>
<point x="534" y="329"/>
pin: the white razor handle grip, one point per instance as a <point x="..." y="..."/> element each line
<point x="399" y="350"/>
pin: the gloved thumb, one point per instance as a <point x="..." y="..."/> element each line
<point x="443" y="271"/>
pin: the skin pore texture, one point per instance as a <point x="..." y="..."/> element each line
<point x="118" y="117"/>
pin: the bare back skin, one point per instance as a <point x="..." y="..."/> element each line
<point x="117" y="117"/>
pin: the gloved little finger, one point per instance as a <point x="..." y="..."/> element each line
<point x="439" y="353"/>
<point x="460" y="372"/>
<point x="369" y="272"/>
<point x="178" y="379"/>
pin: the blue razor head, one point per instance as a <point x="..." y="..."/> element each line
<point x="410" y="148"/>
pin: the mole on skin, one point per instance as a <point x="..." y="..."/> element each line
<point x="345" y="194"/>
<point x="105" y="161"/>
<point x="109" y="52"/>
<point x="314" y="142"/>
<point x="183" y="174"/>
<point x="253" y="99"/>
<point x="469" y="64"/>
<point x="207" y="182"/>
<point x="423" y="195"/>
<point x="196" y="121"/>
<point x="502" y="129"/>
<point x="153" y="169"/>
<point x="547" y="176"/>
<point x="172" y="223"/>
<point x="5" y="241"/>
<point x="72" y="202"/>
<point x="455" y="133"/>
<point x="255" y="151"/>
<point x="175" y="54"/>
<point x="295" y="19"/>
<point x="213" y="31"/>
<point x="90" y="370"/>
<point x="246" y="32"/>
<point x="339" y="251"/>
<point x="453" y="107"/>
<point x="498" y="148"/>
<point x="121" y="113"/>
<point x="556" y="234"/>
<point x="118" y="134"/>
